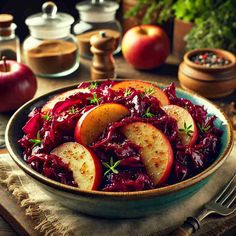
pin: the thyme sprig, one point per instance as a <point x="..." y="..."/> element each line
<point x="203" y="128"/>
<point x="148" y="114"/>
<point x="47" y="116"/>
<point x="73" y="110"/>
<point x="127" y="92"/>
<point x="36" y="141"/>
<point x="149" y="91"/>
<point x="111" y="166"/>
<point x="94" y="99"/>
<point x="93" y="85"/>
<point x="187" y="129"/>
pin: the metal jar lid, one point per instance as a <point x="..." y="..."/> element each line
<point x="48" y="20"/>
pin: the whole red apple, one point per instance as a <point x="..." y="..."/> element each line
<point x="17" y="85"/>
<point x="145" y="46"/>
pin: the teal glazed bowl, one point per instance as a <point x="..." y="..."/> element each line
<point x="119" y="204"/>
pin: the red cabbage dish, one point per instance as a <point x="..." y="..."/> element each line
<point x="44" y="131"/>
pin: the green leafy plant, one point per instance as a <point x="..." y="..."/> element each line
<point x="150" y="10"/>
<point x="190" y="10"/>
<point x="215" y="29"/>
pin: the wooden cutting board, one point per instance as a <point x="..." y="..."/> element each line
<point x="14" y="214"/>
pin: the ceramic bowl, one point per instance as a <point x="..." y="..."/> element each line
<point x="211" y="82"/>
<point x="124" y="204"/>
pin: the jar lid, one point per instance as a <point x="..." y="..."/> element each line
<point x="97" y="6"/>
<point x="5" y="20"/>
<point x="97" y="10"/>
<point x="49" y="18"/>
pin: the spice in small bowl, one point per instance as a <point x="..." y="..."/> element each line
<point x="209" y="59"/>
<point x="209" y="72"/>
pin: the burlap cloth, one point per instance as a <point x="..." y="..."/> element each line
<point x="50" y="218"/>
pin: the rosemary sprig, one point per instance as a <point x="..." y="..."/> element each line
<point x="148" y="114"/>
<point x="36" y="141"/>
<point x="187" y="129"/>
<point x="94" y="99"/>
<point x="111" y="166"/>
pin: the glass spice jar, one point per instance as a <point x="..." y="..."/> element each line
<point x="9" y="42"/>
<point x="96" y="16"/>
<point x="51" y="50"/>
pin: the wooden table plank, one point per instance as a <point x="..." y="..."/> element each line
<point x="15" y="216"/>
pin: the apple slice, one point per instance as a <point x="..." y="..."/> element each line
<point x="155" y="149"/>
<point x="144" y="86"/>
<point x="186" y="125"/>
<point x="61" y="97"/>
<point x="93" y="122"/>
<point x="86" y="167"/>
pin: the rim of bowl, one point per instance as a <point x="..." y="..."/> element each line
<point x="226" y="54"/>
<point x="120" y="195"/>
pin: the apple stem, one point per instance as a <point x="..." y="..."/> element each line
<point x="4" y="63"/>
<point x="141" y="29"/>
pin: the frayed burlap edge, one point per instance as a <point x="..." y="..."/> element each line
<point x="45" y="222"/>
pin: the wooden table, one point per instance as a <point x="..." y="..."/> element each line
<point x="166" y="74"/>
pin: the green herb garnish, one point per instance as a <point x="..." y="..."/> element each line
<point x="187" y="129"/>
<point x="149" y="91"/>
<point x="94" y="99"/>
<point x="36" y="141"/>
<point x="111" y="167"/>
<point x="127" y="92"/>
<point x="73" y="110"/>
<point x="203" y="129"/>
<point x="47" y="116"/>
<point x="93" y="85"/>
<point x="148" y="114"/>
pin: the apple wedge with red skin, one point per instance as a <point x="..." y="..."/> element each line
<point x="143" y="86"/>
<point x="86" y="167"/>
<point x="186" y="125"/>
<point x="155" y="149"/>
<point x="61" y="97"/>
<point x="92" y="123"/>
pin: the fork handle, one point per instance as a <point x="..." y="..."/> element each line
<point x="190" y="226"/>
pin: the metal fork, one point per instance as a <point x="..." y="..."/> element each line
<point x="223" y="204"/>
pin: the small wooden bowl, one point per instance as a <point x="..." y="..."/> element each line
<point x="211" y="82"/>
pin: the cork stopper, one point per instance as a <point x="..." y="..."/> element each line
<point x="103" y="63"/>
<point x="5" y="25"/>
<point x="5" y="20"/>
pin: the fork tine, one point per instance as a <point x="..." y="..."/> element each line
<point x="226" y="188"/>
<point x="231" y="202"/>
<point x="228" y="194"/>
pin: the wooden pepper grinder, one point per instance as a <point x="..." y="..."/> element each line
<point x="103" y="63"/>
